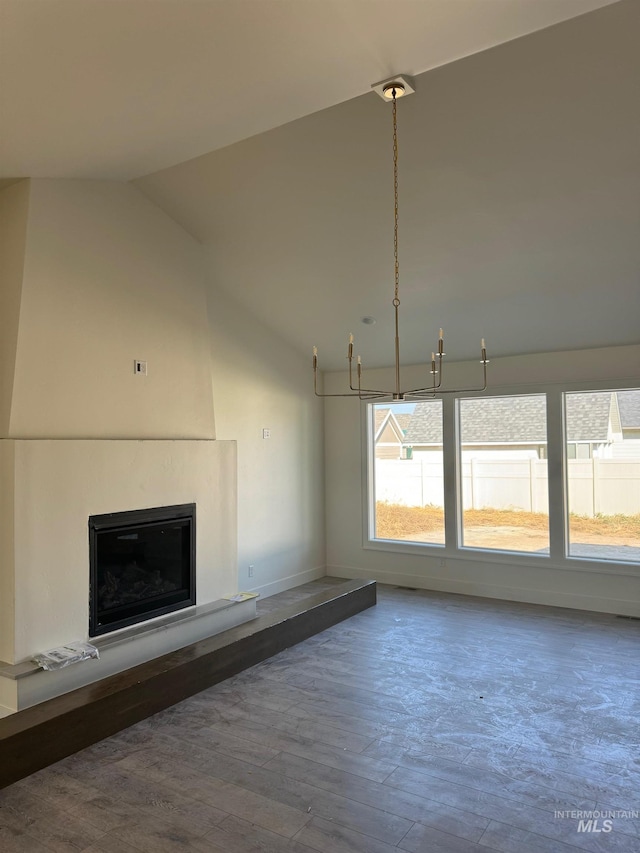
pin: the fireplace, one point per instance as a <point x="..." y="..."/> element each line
<point x="141" y="565"/>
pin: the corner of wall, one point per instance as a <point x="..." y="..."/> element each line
<point x="7" y="551"/>
<point x="261" y="383"/>
<point x="14" y="213"/>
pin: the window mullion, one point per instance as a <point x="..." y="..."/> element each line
<point x="556" y="475"/>
<point x="451" y="473"/>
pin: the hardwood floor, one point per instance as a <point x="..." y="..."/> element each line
<point x="431" y="722"/>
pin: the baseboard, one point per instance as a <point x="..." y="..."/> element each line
<point x="524" y="595"/>
<point x="283" y="584"/>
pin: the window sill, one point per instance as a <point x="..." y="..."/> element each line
<point x="517" y="558"/>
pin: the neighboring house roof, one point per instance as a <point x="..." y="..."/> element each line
<point x="398" y="421"/>
<point x="513" y="420"/>
<point x="386" y="423"/>
<point x="403" y="420"/>
<point x="381" y="414"/>
<point x="629" y="405"/>
<point x="503" y="420"/>
<point x="425" y="426"/>
<point x="588" y="416"/>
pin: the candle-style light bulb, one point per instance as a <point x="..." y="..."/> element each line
<point x="315" y="350"/>
<point x="351" y="338"/>
<point x="359" y="360"/>
<point x="482" y="344"/>
<point x="441" y="335"/>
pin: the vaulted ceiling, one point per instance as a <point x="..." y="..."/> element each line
<point x="252" y="123"/>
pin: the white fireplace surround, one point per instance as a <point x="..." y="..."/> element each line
<point x="54" y="486"/>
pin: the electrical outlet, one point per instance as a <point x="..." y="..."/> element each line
<point x="443" y="563"/>
<point x="250" y="571"/>
<point x="266" y="433"/>
<point x="140" y="368"/>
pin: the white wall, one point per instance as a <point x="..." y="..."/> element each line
<point x="589" y="586"/>
<point x="109" y="278"/>
<point x="14" y="206"/>
<point x="260" y="383"/>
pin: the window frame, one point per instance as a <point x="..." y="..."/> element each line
<point x="459" y="446"/>
<point x="558" y="557"/>
<point x="369" y="524"/>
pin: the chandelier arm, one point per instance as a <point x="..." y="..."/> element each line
<point x="358" y="396"/>
<point x="367" y="393"/>
<point x="351" y="385"/>
<point x="439" y="383"/>
<point x="432" y="389"/>
<point x="355" y="393"/>
<point x="360" y="393"/>
<point x="374" y="391"/>
<point x="430" y="392"/>
<point x="416" y="395"/>
<point x="348" y="394"/>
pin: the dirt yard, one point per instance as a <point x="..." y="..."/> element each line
<point x="509" y="530"/>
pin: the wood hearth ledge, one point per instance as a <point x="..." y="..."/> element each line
<point x="41" y="735"/>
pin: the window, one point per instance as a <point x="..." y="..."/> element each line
<point x="503" y="473"/>
<point x="482" y="463"/>
<point x="408" y="494"/>
<point x="603" y="486"/>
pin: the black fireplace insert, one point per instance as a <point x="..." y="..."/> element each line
<point x="141" y="565"/>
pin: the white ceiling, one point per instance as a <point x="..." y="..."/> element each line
<point x="519" y="180"/>
<point x="122" y="88"/>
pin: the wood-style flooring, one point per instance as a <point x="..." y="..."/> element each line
<point x="430" y="722"/>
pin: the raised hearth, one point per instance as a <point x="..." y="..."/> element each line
<point x="41" y="735"/>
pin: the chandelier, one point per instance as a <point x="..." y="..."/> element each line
<point x="391" y="90"/>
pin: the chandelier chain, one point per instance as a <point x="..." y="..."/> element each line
<point x="396" y="300"/>
<point x="396" y="89"/>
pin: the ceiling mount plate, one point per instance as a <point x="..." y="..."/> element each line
<point x="404" y="86"/>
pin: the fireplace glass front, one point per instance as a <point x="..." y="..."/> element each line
<point x="142" y="565"/>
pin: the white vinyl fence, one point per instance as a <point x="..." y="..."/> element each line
<point x="596" y="486"/>
<point x="604" y="486"/>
